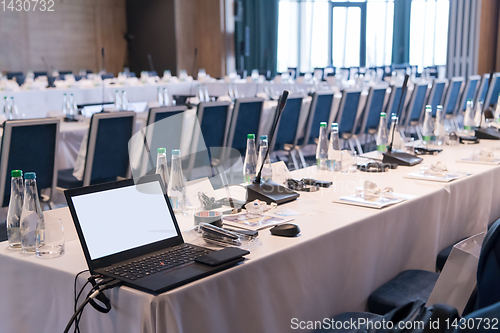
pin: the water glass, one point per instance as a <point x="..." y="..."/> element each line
<point x="50" y="238"/>
<point x="409" y="145"/>
<point x="349" y="161"/>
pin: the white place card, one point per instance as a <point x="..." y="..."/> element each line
<point x="435" y="178"/>
<point x="376" y="202"/>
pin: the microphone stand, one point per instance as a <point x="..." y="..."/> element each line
<point x="269" y="191"/>
<point x="400" y="158"/>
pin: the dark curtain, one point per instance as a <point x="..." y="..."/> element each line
<point x="256" y="35"/>
<point x="401" y="36"/>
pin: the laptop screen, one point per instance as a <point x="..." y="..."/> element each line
<point x="124" y="218"/>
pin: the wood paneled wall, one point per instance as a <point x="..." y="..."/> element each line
<point x="202" y="24"/>
<point x="488" y="37"/>
<point x="70" y="37"/>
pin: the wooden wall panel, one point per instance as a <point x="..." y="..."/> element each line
<point x="70" y="38"/>
<point x="200" y="24"/>
<point x="488" y="36"/>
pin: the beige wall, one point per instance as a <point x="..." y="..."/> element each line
<point x="70" y="38"/>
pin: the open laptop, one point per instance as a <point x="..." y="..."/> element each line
<point x="128" y="231"/>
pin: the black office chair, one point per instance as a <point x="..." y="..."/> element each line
<point x="107" y="76"/>
<point x="37" y="74"/>
<point x="107" y="157"/>
<point x="11" y="75"/>
<point x="20" y="79"/>
<point x="30" y="145"/>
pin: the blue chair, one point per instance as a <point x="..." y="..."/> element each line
<point x="20" y="79"/>
<point x="107" y="156"/>
<point x="29" y="145"/>
<point x="37" y="74"/>
<point x="452" y="97"/>
<point x="209" y="141"/>
<point x="394" y="98"/>
<point x="319" y="111"/>
<point x="416" y="105"/>
<point x="347" y="114"/>
<point x="436" y="95"/>
<point x="483" y="89"/>
<point x="11" y="75"/>
<point x="107" y="76"/>
<point x="163" y="130"/>
<point x="79" y="77"/>
<point x="493" y="91"/>
<point x="373" y="107"/>
<point x="469" y="92"/>
<point x="287" y="128"/>
<point x="245" y="120"/>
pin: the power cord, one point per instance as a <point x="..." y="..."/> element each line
<point x="95" y="293"/>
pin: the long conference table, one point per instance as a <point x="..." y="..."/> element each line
<point x="342" y="254"/>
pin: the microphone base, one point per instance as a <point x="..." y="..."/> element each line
<point x="401" y="158"/>
<point x="270" y="192"/>
<point x="487" y="133"/>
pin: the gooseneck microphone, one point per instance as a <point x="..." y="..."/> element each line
<point x="281" y="107"/>
<point x="195" y="75"/>
<point x="102" y="79"/>
<point x="400" y="108"/>
<point x="150" y="60"/>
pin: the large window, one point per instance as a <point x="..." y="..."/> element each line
<point x="320" y="33"/>
<point x="429" y="32"/>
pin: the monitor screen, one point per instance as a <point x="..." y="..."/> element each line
<point x="121" y="219"/>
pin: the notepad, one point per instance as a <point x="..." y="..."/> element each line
<point x="378" y="202"/>
<point x="435" y="178"/>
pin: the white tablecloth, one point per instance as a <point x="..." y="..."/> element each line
<point x="37" y="103"/>
<point x="342" y="254"/>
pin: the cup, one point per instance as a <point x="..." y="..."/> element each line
<point x="50" y="238"/>
<point x="349" y="161"/>
<point x="409" y="145"/>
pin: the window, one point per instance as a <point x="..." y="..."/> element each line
<point x="429" y="32"/>
<point x="320" y="33"/>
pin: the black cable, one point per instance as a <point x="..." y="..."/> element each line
<point x="74" y="292"/>
<point x="80" y="308"/>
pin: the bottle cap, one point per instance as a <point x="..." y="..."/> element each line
<point x="322" y="124"/>
<point x="161" y="150"/>
<point x="16" y="173"/>
<point x="263" y="137"/>
<point x="382" y="114"/>
<point x="335" y="125"/>
<point x="251" y="136"/>
<point x="176" y="151"/>
<point x="439" y="106"/>
<point x="30" y="175"/>
<point x="470" y="100"/>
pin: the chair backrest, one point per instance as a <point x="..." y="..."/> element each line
<point x="483" y="89"/>
<point x="107" y="76"/>
<point x="287" y="129"/>
<point x="161" y="133"/>
<point x="469" y="92"/>
<point x="452" y="96"/>
<point x="348" y="110"/>
<point x="29" y="145"/>
<point x="37" y="74"/>
<point x="493" y="91"/>
<point x="214" y="119"/>
<point x="394" y="98"/>
<point x="107" y="155"/>
<point x="373" y="108"/>
<point x="245" y="120"/>
<point x="416" y="105"/>
<point x="436" y="94"/>
<point x="488" y="269"/>
<point x="319" y="111"/>
<point x="11" y="75"/>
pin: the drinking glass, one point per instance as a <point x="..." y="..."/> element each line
<point x="349" y="161"/>
<point x="50" y="240"/>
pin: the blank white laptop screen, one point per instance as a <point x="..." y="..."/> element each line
<point x="116" y="220"/>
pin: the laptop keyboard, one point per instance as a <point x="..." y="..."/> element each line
<point x="158" y="262"/>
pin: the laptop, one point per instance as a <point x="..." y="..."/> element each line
<point x="128" y="231"/>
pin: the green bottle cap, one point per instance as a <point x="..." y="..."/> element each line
<point x="251" y="136"/>
<point x="263" y="137"/>
<point x="322" y="124"/>
<point x="382" y="114"/>
<point x="30" y="175"/>
<point x="161" y="150"/>
<point x="428" y="107"/>
<point x="176" y="151"/>
<point x="469" y="100"/>
<point x="16" y="173"/>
